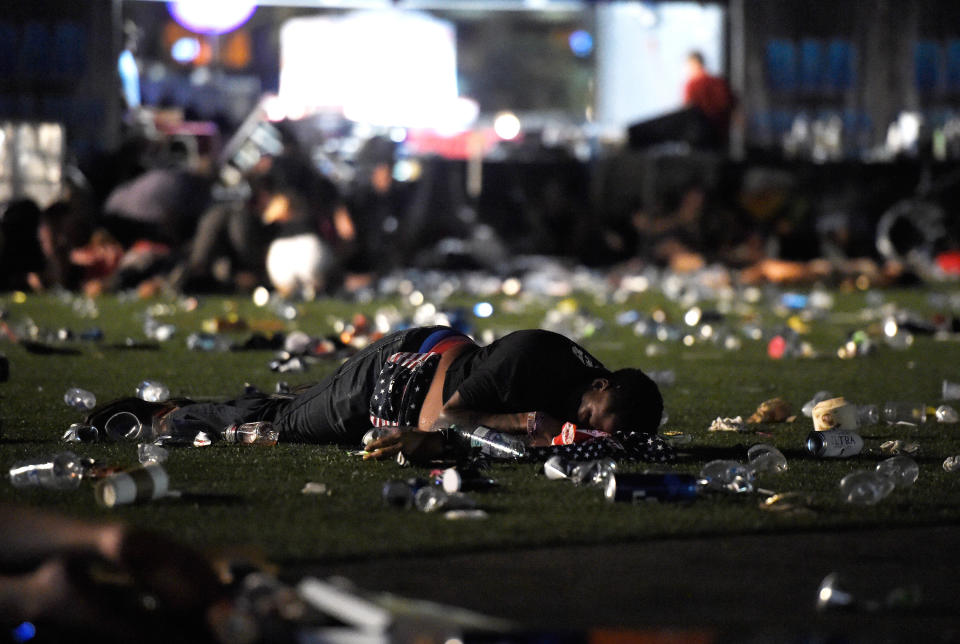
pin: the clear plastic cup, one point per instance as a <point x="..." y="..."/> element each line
<point x="123" y="425"/>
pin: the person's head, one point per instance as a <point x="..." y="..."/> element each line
<point x="695" y="62"/>
<point x="625" y="400"/>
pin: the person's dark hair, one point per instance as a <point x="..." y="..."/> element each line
<point x="636" y="400"/>
<point x="697" y="56"/>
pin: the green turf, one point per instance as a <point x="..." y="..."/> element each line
<point x="252" y="496"/>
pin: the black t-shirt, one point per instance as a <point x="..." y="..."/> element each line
<point x="533" y="370"/>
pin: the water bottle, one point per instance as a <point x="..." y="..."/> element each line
<point x="153" y="391"/>
<point x="637" y="488"/>
<point x="727" y="475"/>
<point x="432" y="498"/>
<point x="61" y="471"/>
<point x="261" y="432"/>
<point x="764" y="458"/>
<point x="901" y="469"/>
<point x="868" y="415"/>
<point x="834" y="443"/>
<point x="493" y="443"/>
<point x="80" y="399"/>
<point x="865" y="487"/>
<point x="904" y="413"/>
<point x="207" y="342"/>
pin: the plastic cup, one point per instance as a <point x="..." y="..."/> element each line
<point x="123" y="425"/>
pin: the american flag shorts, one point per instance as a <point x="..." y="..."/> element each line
<point x="401" y="388"/>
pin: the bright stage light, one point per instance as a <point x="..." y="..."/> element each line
<point x="211" y="16"/>
<point x="506" y="125"/>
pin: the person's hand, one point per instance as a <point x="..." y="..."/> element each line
<point x="547" y="428"/>
<point x="413" y="443"/>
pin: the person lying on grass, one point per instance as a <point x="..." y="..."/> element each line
<point x="428" y="378"/>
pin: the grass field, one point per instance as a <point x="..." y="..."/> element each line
<point x="236" y="496"/>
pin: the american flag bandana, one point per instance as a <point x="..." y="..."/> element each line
<point x="623" y="446"/>
<point x="401" y="389"/>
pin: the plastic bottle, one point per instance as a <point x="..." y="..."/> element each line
<point x="261" y="432"/>
<point x="61" y="471"/>
<point x="432" y="498"/>
<point x="153" y="391"/>
<point x="207" y="342"/>
<point x="868" y="415"/>
<point x="901" y="469"/>
<point x="834" y="443"/>
<point x="80" y="399"/>
<point x="865" y="487"/>
<point x="727" y="475"/>
<point x="947" y="414"/>
<point x="493" y="443"/>
<point x="764" y="458"/>
<point x="637" y="488"/>
<point x="904" y="413"/>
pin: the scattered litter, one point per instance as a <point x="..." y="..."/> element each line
<point x="788" y="503"/>
<point x="149" y="453"/>
<point x="865" y="487"/>
<point x="834" y="443"/>
<point x="313" y="487"/>
<point x="951" y="464"/>
<point x="775" y="410"/>
<point x="899" y="446"/>
<point x="947" y="414"/>
<point x="735" y="424"/>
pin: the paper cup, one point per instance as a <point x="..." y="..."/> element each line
<point x="133" y="486"/>
<point x="835" y="413"/>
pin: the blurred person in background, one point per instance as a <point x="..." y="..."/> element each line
<point x="711" y="97"/>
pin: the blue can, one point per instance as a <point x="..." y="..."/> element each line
<point x="638" y="488"/>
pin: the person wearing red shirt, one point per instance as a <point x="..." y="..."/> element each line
<point x="711" y="96"/>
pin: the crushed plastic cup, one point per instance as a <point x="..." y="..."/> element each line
<point x="150" y="453"/>
<point x="865" y="487"/>
<point x="767" y="459"/>
<point x="947" y="414"/>
<point x="901" y="469"/>
<point x="727" y="475"/>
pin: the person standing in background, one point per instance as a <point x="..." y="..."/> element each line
<point x="711" y="96"/>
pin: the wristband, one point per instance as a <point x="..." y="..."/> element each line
<point x="533" y="422"/>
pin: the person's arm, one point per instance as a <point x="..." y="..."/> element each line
<point x="424" y="445"/>
<point x="540" y="426"/>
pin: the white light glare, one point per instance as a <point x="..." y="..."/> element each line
<point x="506" y="125"/>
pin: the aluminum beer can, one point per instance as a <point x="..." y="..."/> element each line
<point x="638" y="488"/>
<point x="834" y="443"/>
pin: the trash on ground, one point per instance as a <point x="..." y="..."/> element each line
<point x="775" y="410"/>
<point x="734" y="424"/>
